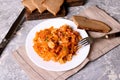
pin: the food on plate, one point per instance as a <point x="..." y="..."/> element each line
<point x="90" y="24"/>
<point x="29" y="5"/>
<point x="53" y="6"/>
<point x="56" y="44"/>
<point x="38" y="5"/>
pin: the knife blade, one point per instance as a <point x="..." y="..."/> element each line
<point x="13" y="29"/>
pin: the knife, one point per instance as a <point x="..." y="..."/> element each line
<point x="112" y="35"/>
<point x="12" y="31"/>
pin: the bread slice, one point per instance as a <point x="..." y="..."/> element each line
<point x="45" y="15"/>
<point x="53" y="6"/>
<point x="90" y="24"/>
<point x="29" y="5"/>
<point x="38" y="5"/>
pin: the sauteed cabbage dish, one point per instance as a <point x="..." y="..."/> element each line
<point x="56" y="44"/>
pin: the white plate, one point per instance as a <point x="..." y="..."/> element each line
<point x="50" y="65"/>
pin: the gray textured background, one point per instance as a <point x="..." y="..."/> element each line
<point x="105" y="68"/>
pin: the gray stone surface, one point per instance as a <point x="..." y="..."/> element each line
<point x="105" y="68"/>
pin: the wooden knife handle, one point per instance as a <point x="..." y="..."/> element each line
<point x="112" y="35"/>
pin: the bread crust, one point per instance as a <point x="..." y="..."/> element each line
<point x="38" y="5"/>
<point x="90" y="24"/>
<point x="28" y="4"/>
<point x="53" y="6"/>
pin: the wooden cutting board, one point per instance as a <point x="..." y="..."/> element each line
<point x="63" y="11"/>
<point x="72" y="3"/>
<point x="97" y="50"/>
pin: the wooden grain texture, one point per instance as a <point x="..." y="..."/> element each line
<point x="72" y="3"/>
<point x="98" y="49"/>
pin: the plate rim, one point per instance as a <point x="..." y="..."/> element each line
<point x="39" y="56"/>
